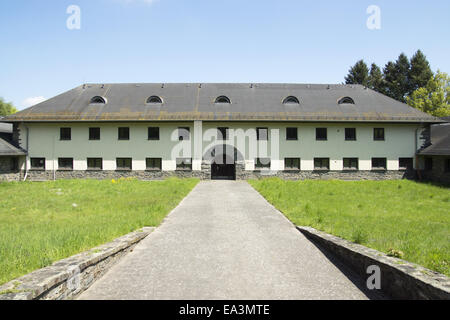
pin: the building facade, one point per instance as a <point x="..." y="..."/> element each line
<point x="220" y="131"/>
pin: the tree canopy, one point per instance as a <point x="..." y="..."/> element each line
<point x="6" y="108"/>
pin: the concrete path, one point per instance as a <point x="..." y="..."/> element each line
<point x="225" y="241"/>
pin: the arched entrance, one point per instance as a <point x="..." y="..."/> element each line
<point x="223" y="162"/>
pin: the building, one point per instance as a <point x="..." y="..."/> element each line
<point x="10" y="156"/>
<point x="219" y="131"/>
<point x="434" y="161"/>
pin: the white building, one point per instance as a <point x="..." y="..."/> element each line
<point x="149" y="131"/>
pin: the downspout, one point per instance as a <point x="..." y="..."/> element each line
<point x="418" y="173"/>
<point x="27" y="155"/>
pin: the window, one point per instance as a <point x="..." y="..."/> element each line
<point x="222" y="134"/>
<point x="291" y="134"/>
<point x="154" y="100"/>
<point x="321" y="134"/>
<point x="405" y="163"/>
<point x="350" y="163"/>
<point x="184" y="164"/>
<point x="447" y="165"/>
<point x="223" y="99"/>
<point x="98" y="100"/>
<point x="350" y="134"/>
<point x="95" y="164"/>
<point x="346" y="100"/>
<point x="262" y="134"/>
<point x="65" y="134"/>
<point x="184" y="133"/>
<point x="322" y="164"/>
<point x="153" y="164"/>
<point x="291" y="100"/>
<point x="123" y="164"/>
<point x="153" y="133"/>
<point x="428" y="164"/>
<point x="262" y="163"/>
<point x="94" y="133"/>
<point x="379" y="164"/>
<point x="38" y="164"/>
<point x="124" y="133"/>
<point x="292" y="164"/>
<point x="378" y="134"/>
<point x="65" y="164"/>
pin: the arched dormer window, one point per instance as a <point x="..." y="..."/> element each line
<point x="346" y="100"/>
<point x="223" y="99"/>
<point x="154" y="100"/>
<point x="291" y="100"/>
<point x="98" y="100"/>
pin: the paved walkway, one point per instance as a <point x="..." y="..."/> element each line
<point x="224" y="241"/>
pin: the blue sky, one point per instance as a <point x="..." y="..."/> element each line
<point x="207" y="41"/>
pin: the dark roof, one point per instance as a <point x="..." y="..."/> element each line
<point x="7" y="149"/>
<point x="249" y="102"/>
<point x="440" y="141"/>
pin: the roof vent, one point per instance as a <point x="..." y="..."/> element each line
<point x="346" y="100"/>
<point x="291" y="100"/>
<point x="223" y="99"/>
<point x="98" y="100"/>
<point x="154" y="100"/>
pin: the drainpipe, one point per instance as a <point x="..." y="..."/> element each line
<point x="27" y="155"/>
<point x="418" y="173"/>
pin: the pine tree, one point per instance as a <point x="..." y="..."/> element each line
<point x="420" y="72"/>
<point x="358" y="74"/>
<point x="375" y="81"/>
<point x="396" y="77"/>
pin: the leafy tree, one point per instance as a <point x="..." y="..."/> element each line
<point x="358" y="74"/>
<point x="6" y="108"/>
<point x="434" y="98"/>
<point x="375" y="81"/>
<point x="420" y="72"/>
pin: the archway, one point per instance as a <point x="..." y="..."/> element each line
<point x="223" y="161"/>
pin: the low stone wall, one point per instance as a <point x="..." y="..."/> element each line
<point x="399" y="279"/>
<point x="68" y="278"/>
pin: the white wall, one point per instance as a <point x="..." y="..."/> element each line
<point x="44" y="143"/>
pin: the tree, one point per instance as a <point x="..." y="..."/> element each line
<point x="434" y="98"/>
<point x="397" y="79"/>
<point x="420" y="72"/>
<point x="6" y="108"/>
<point x="358" y="74"/>
<point x="375" y="81"/>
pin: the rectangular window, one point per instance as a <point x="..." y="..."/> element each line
<point x="405" y="163"/>
<point x="65" y="164"/>
<point x="351" y="164"/>
<point x="379" y="164"/>
<point x="38" y="164"/>
<point x="292" y="164"/>
<point x="95" y="164"/>
<point x="291" y="134"/>
<point x="428" y="164"/>
<point x="321" y="164"/>
<point x="124" y="133"/>
<point x="378" y="134"/>
<point x="262" y="163"/>
<point x="350" y="134"/>
<point x="123" y="164"/>
<point x="153" y="133"/>
<point x="447" y="165"/>
<point x="65" y="134"/>
<point x="321" y="134"/>
<point x="262" y="134"/>
<point x="184" y="164"/>
<point x="222" y="134"/>
<point x="94" y="133"/>
<point x="184" y="134"/>
<point x="153" y="164"/>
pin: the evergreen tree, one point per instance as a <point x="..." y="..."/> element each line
<point x="390" y="80"/>
<point x="375" y="81"/>
<point x="420" y="72"/>
<point x="358" y="74"/>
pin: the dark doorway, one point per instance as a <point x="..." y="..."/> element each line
<point x="223" y="167"/>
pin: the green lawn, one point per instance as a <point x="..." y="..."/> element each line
<point x="41" y="222"/>
<point x="402" y="215"/>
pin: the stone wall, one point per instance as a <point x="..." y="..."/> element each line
<point x="439" y="171"/>
<point x="8" y="169"/>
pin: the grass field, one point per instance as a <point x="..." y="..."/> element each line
<point x="405" y="216"/>
<point x="41" y="222"/>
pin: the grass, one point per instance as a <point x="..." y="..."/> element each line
<point x="42" y="222"/>
<point x="403" y="218"/>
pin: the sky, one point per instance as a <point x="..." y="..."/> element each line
<point x="166" y="41"/>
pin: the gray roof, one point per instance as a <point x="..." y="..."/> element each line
<point x="440" y="141"/>
<point x="249" y="102"/>
<point x="7" y="149"/>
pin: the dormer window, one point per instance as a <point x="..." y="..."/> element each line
<point x="98" y="100"/>
<point x="154" y="100"/>
<point x="223" y="99"/>
<point x="346" y="100"/>
<point x="291" y="100"/>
